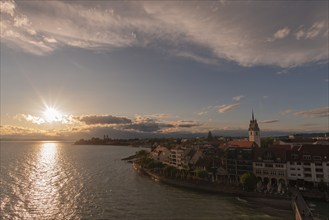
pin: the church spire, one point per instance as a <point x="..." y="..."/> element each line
<point x="254" y="131"/>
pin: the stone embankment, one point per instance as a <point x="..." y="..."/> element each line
<point x="275" y="202"/>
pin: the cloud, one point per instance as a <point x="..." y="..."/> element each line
<point x="281" y="72"/>
<point x="227" y="108"/>
<point x="30" y="118"/>
<point x="195" y="57"/>
<point x="280" y="34"/>
<point x="61" y="119"/>
<point x="207" y="32"/>
<point x="287" y="111"/>
<point x="314" y="113"/>
<point x="14" y="130"/>
<point x="103" y="119"/>
<point x="309" y="125"/>
<point x="237" y="98"/>
<point x="146" y="124"/>
<point x="269" y="121"/>
<point x="7" y="7"/>
<point x="143" y="127"/>
<point x="186" y="124"/>
<point x="314" y="31"/>
<point x="202" y="113"/>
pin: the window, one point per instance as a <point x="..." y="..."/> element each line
<point x="293" y="174"/>
<point x="259" y="165"/>
<point x="292" y="168"/>
<point x="268" y="165"/>
<point x="319" y="170"/>
<point x="307" y="169"/>
<point x="307" y="164"/>
<point x="294" y="156"/>
<point x="279" y="165"/>
<point x="316" y="157"/>
<point x="319" y="176"/>
<point x="299" y="163"/>
<point x="318" y="164"/>
<point x="265" y="172"/>
<point x="307" y="175"/>
<point x="258" y="172"/>
<point x="307" y="157"/>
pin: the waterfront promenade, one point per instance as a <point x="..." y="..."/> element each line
<point x="293" y="205"/>
<point x="300" y="207"/>
<point x="266" y="200"/>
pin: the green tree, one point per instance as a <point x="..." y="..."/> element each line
<point x="170" y="171"/>
<point x="142" y="153"/>
<point x="322" y="186"/>
<point x="248" y="181"/>
<point x="265" y="142"/>
<point x="201" y="173"/>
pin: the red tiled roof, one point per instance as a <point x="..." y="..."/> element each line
<point x="239" y="144"/>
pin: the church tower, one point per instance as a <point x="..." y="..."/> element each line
<point x="254" y="132"/>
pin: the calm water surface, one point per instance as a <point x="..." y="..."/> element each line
<point x="56" y="180"/>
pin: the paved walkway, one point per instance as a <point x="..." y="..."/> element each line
<point x="302" y="205"/>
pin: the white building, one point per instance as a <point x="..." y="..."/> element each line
<point x="269" y="166"/>
<point x="307" y="165"/>
<point x="161" y="154"/>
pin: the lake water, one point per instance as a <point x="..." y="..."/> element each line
<point x="58" y="180"/>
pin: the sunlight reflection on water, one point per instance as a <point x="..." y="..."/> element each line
<point x="57" y="180"/>
<point x="43" y="193"/>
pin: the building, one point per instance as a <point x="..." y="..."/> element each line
<point x="176" y="158"/>
<point x="269" y="166"/>
<point x="238" y="161"/>
<point x="254" y="131"/>
<point x="307" y="165"/>
<point x="161" y="154"/>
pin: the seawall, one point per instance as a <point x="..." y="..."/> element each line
<point x="257" y="199"/>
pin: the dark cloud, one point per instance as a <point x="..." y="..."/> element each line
<point x="103" y="119"/>
<point x="187" y="124"/>
<point x="148" y="126"/>
<point x="143" y="127"/>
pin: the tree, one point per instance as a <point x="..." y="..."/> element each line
<point x="170" y="171"/>
<point x="322" y="186"/>
<point x="142" y="153"/>
<point x="201" y="173"/>
<point x="248" y="181"/>
<point x="210" y="137"/>
<point x="265" y="142"/>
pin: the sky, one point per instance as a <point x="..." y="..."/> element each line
<point x="128" y="69"/>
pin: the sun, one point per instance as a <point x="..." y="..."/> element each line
<point x="52" y="115"/>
